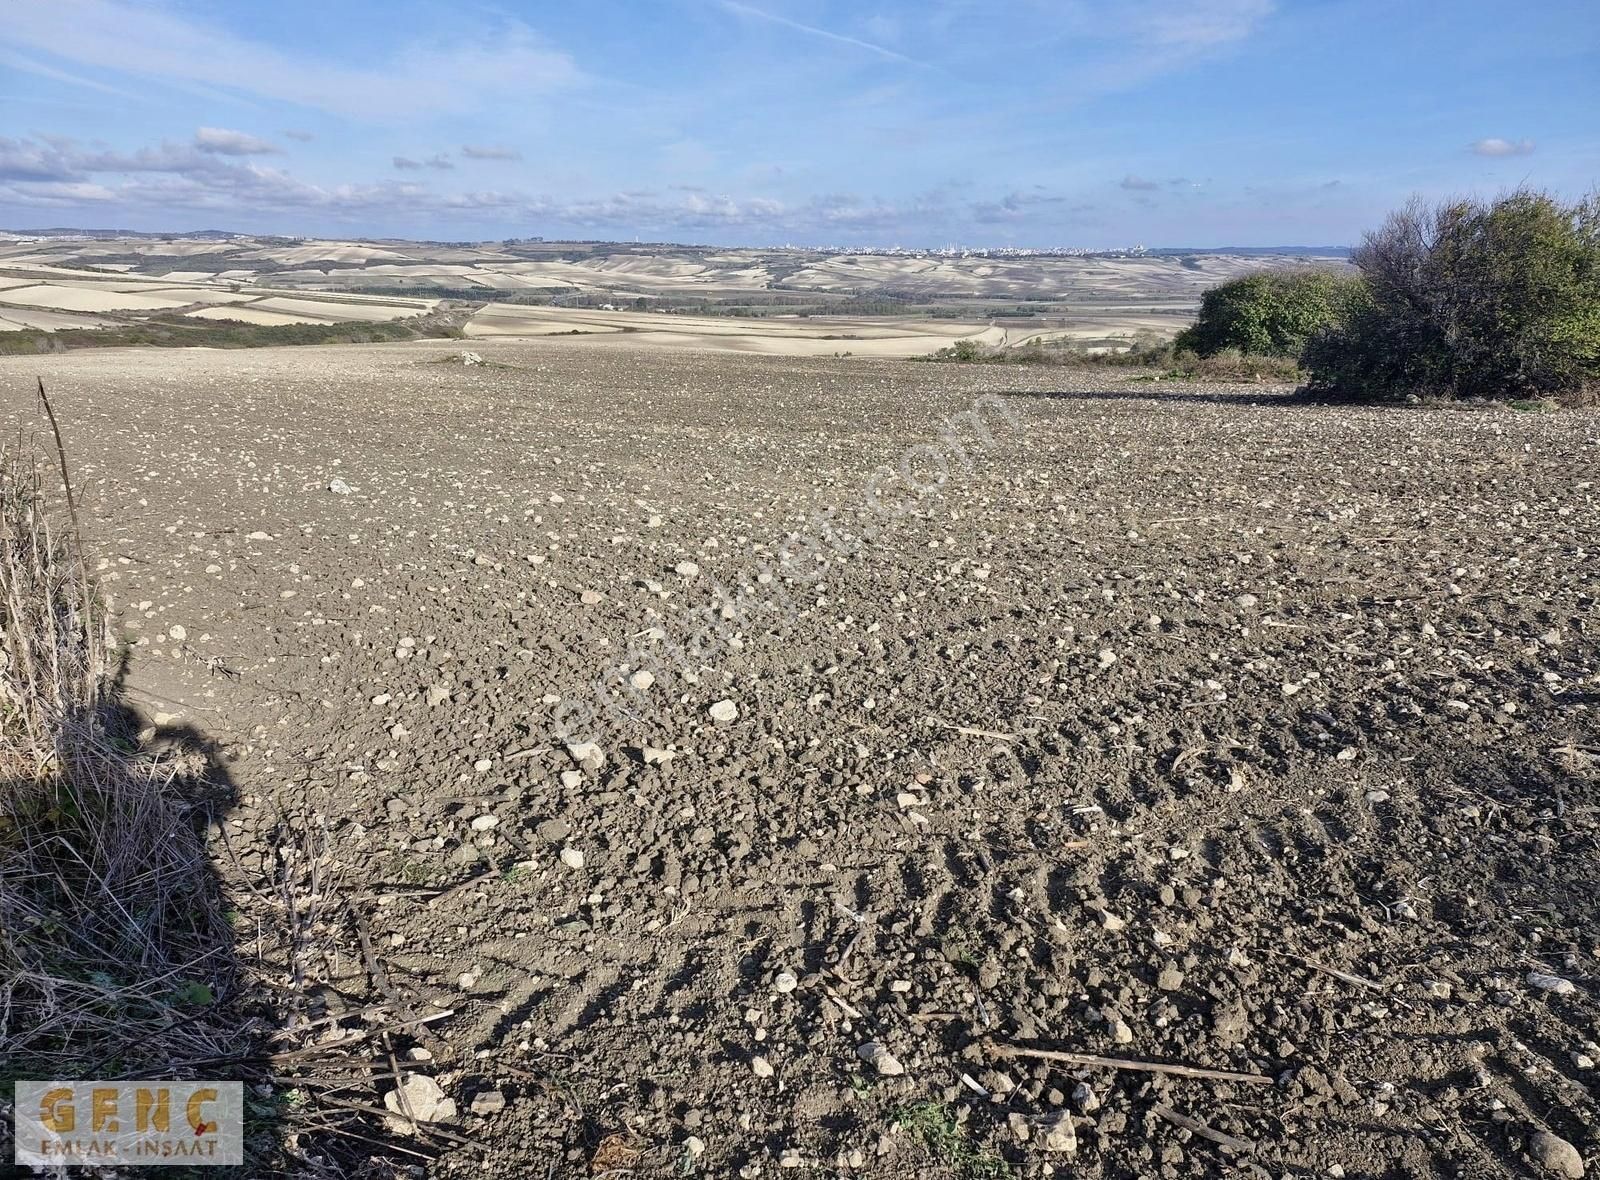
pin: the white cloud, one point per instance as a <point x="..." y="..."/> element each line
<point x="220" y="141"/>
<point x="155" y="41"/>
<point x="1494" y="146"/>
<point x="299" y="136"/>
<point x="1138" y="184"/>
<point x="58" y="193"/>
<point x="440" y="162"/>
<point x="167" y="178"/>
<point x="1199" y="24"/>
<point x="489" y="152"/>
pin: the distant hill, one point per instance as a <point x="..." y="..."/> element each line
<point x="1258" y="251"/>
<point x="228" y="235"/>
<point x="62" y="231"/>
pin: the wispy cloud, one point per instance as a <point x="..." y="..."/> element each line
<point x="121" y="37"/>
<point x="1494" y="146"/>
<point x="489" y="152"/>
<point x="754" y="13"/>
<point x="299" y="136"/>
<point x="219" y="141"/>
<point x="1197" y="24"/>
<point x="1139" y="184"/>
<point x="17" y="61"/>
<point x="440" y="162"/>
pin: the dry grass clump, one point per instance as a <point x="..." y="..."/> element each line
<point x="114" y="950"/>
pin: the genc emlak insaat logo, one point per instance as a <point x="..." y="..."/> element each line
<point x="129" y="1123"/>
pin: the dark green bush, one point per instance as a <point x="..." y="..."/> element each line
<point x="1271" y="313"/>
<point x="1468" y="299"/>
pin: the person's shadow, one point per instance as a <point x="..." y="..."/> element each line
<point x="118" y="954"/>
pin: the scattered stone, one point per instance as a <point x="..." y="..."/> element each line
<point x="1555" y="1155"/>
<point x="438" y="694"/>
<point x="1120" y="1032"/>
<point x="1170" y="979"/>
<point x="694" y="1146"/>
<point x="654" y="756"/>
<point x="423" y="1098"/>
<point x="880" y="1059"/>
<point x="724" y="711"/>
<point x="572" y="858"/>
<point x="642" y="679"/>
<point x="686" y="569"/>
<point x="338" y="487"/>
<point x="761" y="1067"/>
<point x="590" y="597"/>
<point x="1057" y="1133"/>
<point x="785" y="982"/>
<point x="488" y="1102"/>
<point x="1111" y="921"/>
<point x="1553" y="984"/>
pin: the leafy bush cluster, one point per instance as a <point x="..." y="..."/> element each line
<point x="1272" y="313"/>
<point x="1497" y="300"/>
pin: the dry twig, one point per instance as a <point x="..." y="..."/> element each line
<point x="1164" y="1067"/>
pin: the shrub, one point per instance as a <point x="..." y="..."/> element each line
<point x="1271" y="313"/>
<point x="1468" y="299"/>
<point x="115" y="955"/>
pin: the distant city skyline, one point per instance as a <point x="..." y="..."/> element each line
<point x="1038" y="124"/>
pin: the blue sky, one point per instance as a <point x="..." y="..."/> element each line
<point x="974" y="122"/>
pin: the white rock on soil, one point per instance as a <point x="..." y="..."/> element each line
<point x="338" y="487"/>
<point x="642" y="680"/>
<point x="724" y="711"/>
<point x="785" y="982"/>
<point x="424" y="1099"/>
<point x="686" y="569"/>
<point x="587" y="754"/>
<point x="488" y="1102"/>
<point x="761" y="1067"/>
<point x="572" y="858"/>
<point x="881" y="1059"/>
<point x="1553" y="984"/>
<point x="1056" y="1133"/>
